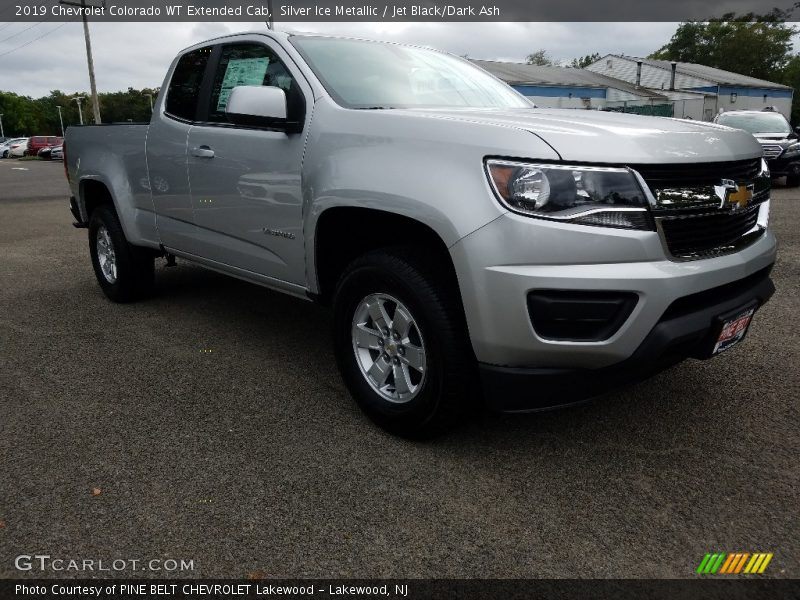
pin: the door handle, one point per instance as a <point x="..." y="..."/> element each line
<point x="203" y="152"/>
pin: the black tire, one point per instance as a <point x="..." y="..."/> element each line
<point x="134" y="265"/>
<point x="5" y="154"/>
<point x="430" y="293"/>
<point x="793" y="181"/>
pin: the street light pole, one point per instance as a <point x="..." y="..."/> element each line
<point x="61" y="120"/>
<point x="150" y="96"/>
<point x="2" y="133"/>
<point x="80" y="112"/>
<point x="89" y="57"/>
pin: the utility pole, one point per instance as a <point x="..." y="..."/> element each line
<point x="270" y="18"/>
<point x="80" y="112"/>
<point x="2" y="133"/>
<point x="150" y="96"/>
<point x="61" y="119"/>
<point x="89" y="58"/>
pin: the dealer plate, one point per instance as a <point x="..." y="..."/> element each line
<point x="733" y="331"/>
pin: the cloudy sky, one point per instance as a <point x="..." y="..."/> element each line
<point x="35" y="59"/>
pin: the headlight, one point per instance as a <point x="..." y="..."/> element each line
<point x="585" y="195"/>
<point x="792" y="150"/>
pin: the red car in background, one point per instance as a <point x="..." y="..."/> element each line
<point x="38" y="142"/>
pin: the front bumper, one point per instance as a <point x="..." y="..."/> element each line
<point x="685" y="330"/>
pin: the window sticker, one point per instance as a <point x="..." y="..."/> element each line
<point x="243" y="71"/>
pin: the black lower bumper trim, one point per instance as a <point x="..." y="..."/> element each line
<point x="680" y="334"/>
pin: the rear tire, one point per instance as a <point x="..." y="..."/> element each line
<point x="401" y="342"/>
<point x="125" y="272"/>
<point x="793" y="181"/>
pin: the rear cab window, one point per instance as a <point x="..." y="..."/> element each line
<point x="185" y="86"/>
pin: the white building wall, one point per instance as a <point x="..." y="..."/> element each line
<point x="564" y="102"/>
<point x="614" y="95"/>
<point x="783" y="105"/>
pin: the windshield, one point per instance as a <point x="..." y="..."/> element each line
<point x="362" y="74"/>
<point x="756" y="122"/>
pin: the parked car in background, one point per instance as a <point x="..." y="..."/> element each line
<point x="779" y="141"/>
<point x="57" y="153"/>
<point x="5" y="147"/>
<point x="16" y="148"/>
<point x="38" y="142"/>
<point x="44" y="153"/>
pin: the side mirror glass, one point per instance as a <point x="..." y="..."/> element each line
<point x="257" y="106"/>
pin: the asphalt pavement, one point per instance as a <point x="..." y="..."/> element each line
<point x="209" y="424"/>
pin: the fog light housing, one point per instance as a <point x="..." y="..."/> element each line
<point x="579" y="316"/>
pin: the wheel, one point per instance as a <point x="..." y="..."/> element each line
<point x="5" y="154"/>
<point x="125" y="272"/>
<point x="793" y="181"/>
<point x="401" y="342"/>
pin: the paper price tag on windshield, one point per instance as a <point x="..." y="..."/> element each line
<point x="243" y="71"/>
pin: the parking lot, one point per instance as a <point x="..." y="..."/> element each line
<point x="209" y="424"/>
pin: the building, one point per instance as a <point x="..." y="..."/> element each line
<point x="701" y="91"/>
<point x="561" y="87"/>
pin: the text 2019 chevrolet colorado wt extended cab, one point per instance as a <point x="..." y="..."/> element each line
<point x="472" y="245"/>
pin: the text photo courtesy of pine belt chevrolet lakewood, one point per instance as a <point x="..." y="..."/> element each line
<point x="474" y="248"/>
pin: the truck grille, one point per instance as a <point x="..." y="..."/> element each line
<point x="697" y="174"/>
<point x="771" y="150"/>
<point x="703" y="235"/>
<point x="690" y="220"/>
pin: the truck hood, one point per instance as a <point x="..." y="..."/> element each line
<point x="608" y="137"/>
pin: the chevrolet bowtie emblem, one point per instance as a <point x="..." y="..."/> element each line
<point x="735" y="196"/>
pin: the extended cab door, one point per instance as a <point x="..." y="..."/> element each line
<point x="245" y="181"/>
<point x="167" y="137"/>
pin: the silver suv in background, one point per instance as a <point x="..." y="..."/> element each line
<point x="472" y="247"/>
<point x="780" y="142"/>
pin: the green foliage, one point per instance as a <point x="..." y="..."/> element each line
<point x="584" y="61"/>
<point x="755" y="45"/>
<point x="25" y="116"/>
<point x="791" y="76"/>
<point x="541" y="58"/>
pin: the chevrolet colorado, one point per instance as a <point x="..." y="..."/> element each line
<point x="472" y="246"/>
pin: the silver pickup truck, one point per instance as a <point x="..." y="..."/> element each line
<point x="473" y="247"/>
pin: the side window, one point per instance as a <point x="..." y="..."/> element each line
<point x="252" y="64"/>
<point x="184" y="89"/>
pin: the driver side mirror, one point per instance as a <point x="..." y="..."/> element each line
<point x="257" y="106"/>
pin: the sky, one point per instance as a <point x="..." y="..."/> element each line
<point x="35" y="59"/>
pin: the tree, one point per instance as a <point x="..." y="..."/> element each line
<point x="541" y="58"/>
<point x="755" y="45"/>
<point x="23" y="115"/>
<point x="791" y="76"/>
<point x="584" y="61"/>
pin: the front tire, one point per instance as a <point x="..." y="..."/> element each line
<point x="793" y="181"/>
<point x="401" y="343"/>
<point x="125" y="272"/>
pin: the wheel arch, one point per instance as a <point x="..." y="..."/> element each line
<point x="342" y="233"/>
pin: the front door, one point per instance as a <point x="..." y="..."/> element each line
<point x="245" y="182"/>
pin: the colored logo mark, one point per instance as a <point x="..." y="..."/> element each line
<point x="727" y="563"/>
